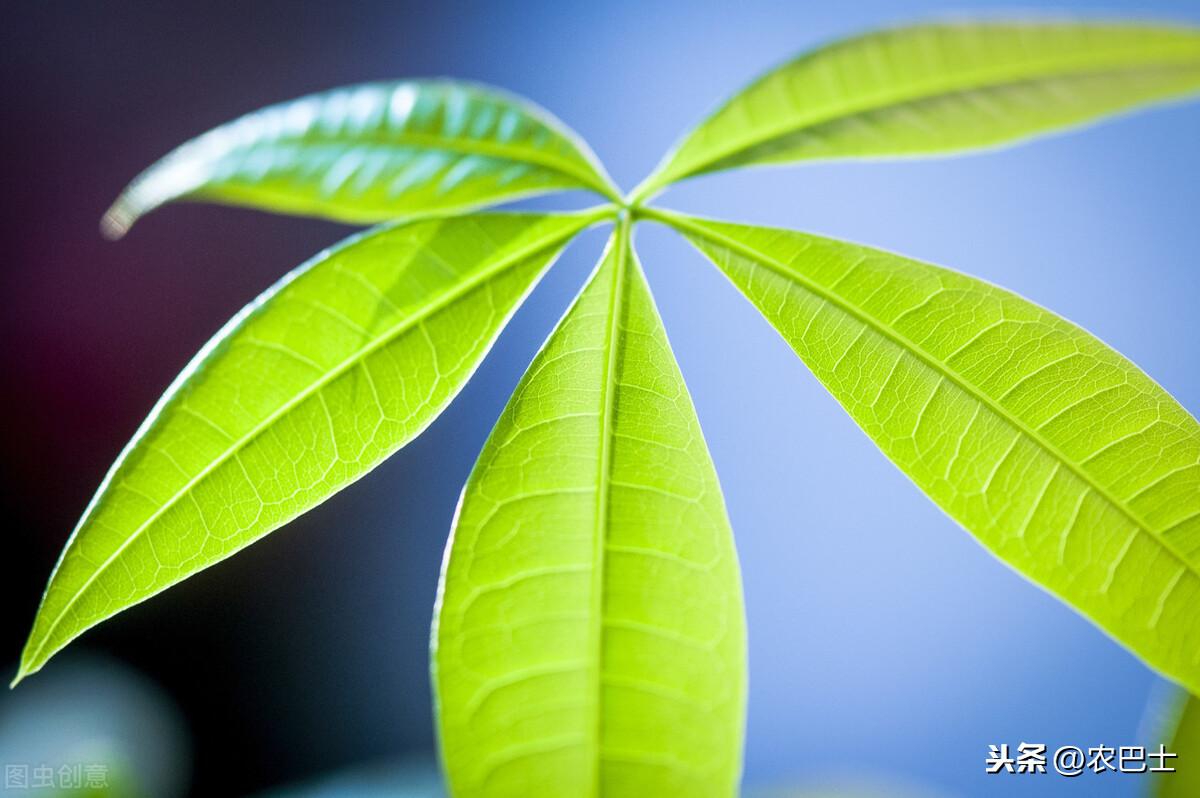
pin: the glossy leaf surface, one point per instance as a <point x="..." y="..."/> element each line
<point x="1060" y="456"/>
<point x="590" y="636"/>
<point x="372" y="153"/>
<point x="938" y="88"/>
<point x="312" y="385"/>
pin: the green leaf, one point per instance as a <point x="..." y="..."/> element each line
<point x="1064" y="459"/>
<point x="938" y="88"/>
<point x="589" y="637"/>
<point x="344" y="361"/>
<point x="1181" y="736"/>
<point x="371" y="153"/>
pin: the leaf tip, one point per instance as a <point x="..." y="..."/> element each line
<point x="33" y="658"/>
<point x="22" y="672"/>
<point x="116" y="221"/>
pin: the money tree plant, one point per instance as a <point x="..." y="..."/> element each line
<point x="588" y="635"/>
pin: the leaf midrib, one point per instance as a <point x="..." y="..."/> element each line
<point x="589" y="178"/>
<point x="569" y="167"/>
<point x="387" y="337"/>
<point x="620" y="242"/>
<point x="989" y="80"/>
<point x="685" y="224"/>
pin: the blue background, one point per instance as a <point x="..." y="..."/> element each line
<point x="885" y="644"/>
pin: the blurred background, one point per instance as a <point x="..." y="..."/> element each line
<point x="886" y="645"/>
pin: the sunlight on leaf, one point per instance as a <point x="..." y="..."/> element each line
<point x="589" y="634"/>
<point x="589" y="637"/>
<point x="371" y="153"/>
<point x="938" y="88"/>
<point x="1058" y="454"/>
<point x="318" y="380"/>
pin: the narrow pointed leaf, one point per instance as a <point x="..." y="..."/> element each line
<point x="1182" y="737"/>
<point x="939" y="88"/>
<point x="589" y="637"/>
<point x="371" y="153"/>
<point x="341" y="363"/>
<point x="1061" y="457"/>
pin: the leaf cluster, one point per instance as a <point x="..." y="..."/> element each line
<point x="589" y="635"/>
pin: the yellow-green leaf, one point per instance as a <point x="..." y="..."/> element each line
<point x="318" y="380"/>
<point x="371" y="153"/>
<point x="1057" y="453"/>
<point x="938" y="88"/>
<point x="589" y="636"/>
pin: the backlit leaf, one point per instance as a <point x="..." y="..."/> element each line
<point x="371" y="153"/>
<point x="589" y="637"/>
<point x="938" y="88"/>
<point x="341" y="363"/>
<point x="1061" y="457"/>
